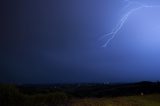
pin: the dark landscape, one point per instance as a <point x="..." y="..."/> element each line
<point x="80" y="94"/>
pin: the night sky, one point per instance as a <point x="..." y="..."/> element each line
<point x="57" y="41"/>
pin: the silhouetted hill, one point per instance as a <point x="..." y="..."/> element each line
<point x="94" y="89"/>
<point x="57" y="94"/>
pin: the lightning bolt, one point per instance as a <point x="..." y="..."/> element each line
<point x="122" y="21"/>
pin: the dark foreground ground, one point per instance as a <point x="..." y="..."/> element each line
<point x="84" y="94"/>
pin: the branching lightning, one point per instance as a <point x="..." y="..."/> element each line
<point x="122" y="21"/>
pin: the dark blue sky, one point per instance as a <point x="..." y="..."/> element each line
<point x="51" y="41"/>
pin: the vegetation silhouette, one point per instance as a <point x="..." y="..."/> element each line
<point x="84" y="94"/>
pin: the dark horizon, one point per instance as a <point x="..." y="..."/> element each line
<point x="82" y="83"/>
